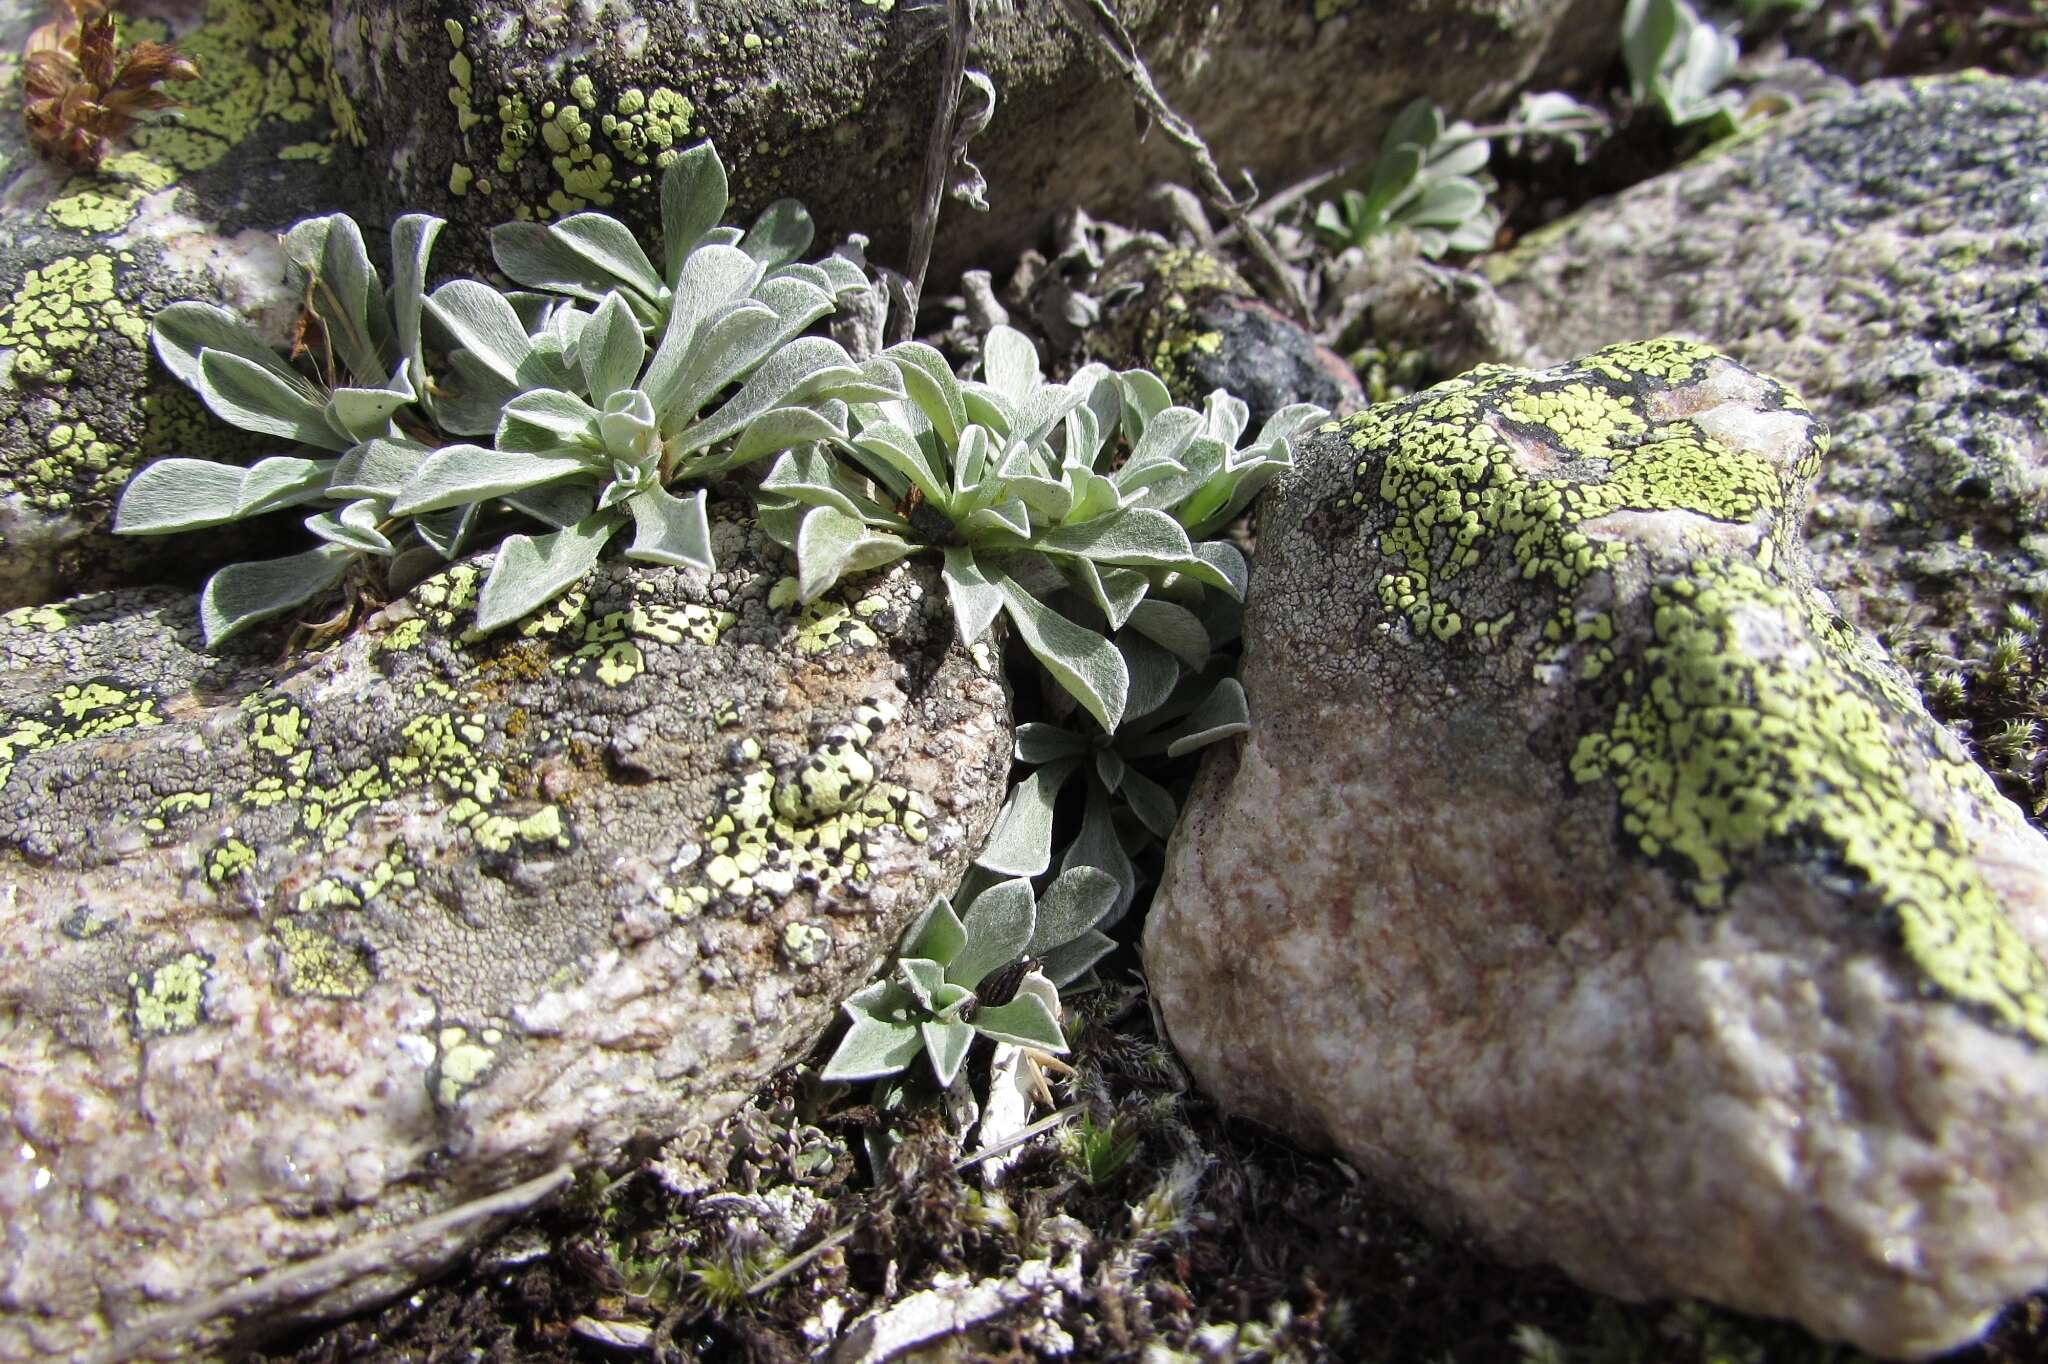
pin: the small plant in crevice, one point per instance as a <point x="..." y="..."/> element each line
<point x="549" y="417"/>
<point x="1428" y="176"/>
<point x="993" y="970"/>
<point x="1099" y="1151"/>
<point x="1424" y="179"/>
<point x="1184" y="697"/>
<point x="1679" y="62"/>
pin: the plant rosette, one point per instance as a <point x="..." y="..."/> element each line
<point x="1063" y="507"/>
<point x="554" y="415"/>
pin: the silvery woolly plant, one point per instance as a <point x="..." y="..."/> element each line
<point x="991" y="971"/>
<point x="562" y="411"/>
<point x="1679" y="61"/>
<point x="1180" y="703"/>
<point x="1426" y="179"/>
<point x="1081" y="511"/>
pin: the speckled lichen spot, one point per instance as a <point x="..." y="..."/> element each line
<point x="810" y="825"/>
<point x="79" y="711"/>
<point x="171" y="998"/>
<point x="61" y="308"/>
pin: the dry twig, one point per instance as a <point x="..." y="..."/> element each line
<point x="1098" y="21"/>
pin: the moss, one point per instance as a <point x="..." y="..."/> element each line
<point x="170" y="998"/>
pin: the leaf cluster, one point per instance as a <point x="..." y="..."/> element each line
<point x="83" y="89"/>
<point x="560" y="410"/>
<point x="991" y="971"/>
<point x="1181" y="704"/>
<point x="1679" y="62"/>
<point x="1426" y="179"/>
<point x="1076" y="510"/>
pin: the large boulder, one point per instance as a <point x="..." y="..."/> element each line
<point x="1882" y="255"/>
<point x="188" y="207"/>
<point x="311" y="972"/>
<point x="1590" y="882"/>
<point x="484" y="110"/>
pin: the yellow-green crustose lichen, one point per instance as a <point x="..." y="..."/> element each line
<point x="828" y="623"/>
<point x="1167" y="338"/>
<point x="806" y="944"/>
<point x="1448" y="466"/>
<point x="1721" y="753"/>
<point x="611" y="648"/>
<point x="319" y="964"/>
<point x="592" y="153"/>
<point x="809" y="826"/>
<point x="1718" y="755"/>
<point x="229" y="860"/>
<point x="64" y="316"/>
<point x="60" y="309"/>
<point x="443" y="749"/>
<point x="171" y="998"/>
<point x="46" y="619"/>
<point x="260" y="61"/>
<point x="81" y="710"/>
<point x="461" y="1060"/>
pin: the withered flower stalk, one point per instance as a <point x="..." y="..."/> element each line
<point x="83" y="90"/>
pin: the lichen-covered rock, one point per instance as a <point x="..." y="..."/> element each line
<point x="188" y="207"/>
<point x="1195" y="322"/>
<point x="299" y="964"/>
<point x="1883" y="256"/>
<point x="1590" y="882"/>
<point x="530" y="112"/>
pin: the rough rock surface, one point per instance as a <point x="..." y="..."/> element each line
<point x="184" y="208"/>
<point x="1195" y="322"/>
<point x="1590" y="882"/>
<point x="531" y="111"/>
<point x="299" y="964"/>
<point x="1882" y="255"/>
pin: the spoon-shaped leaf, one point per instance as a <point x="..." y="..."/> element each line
<point x="241" y="595"/>
<point x="532" y="571"/>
